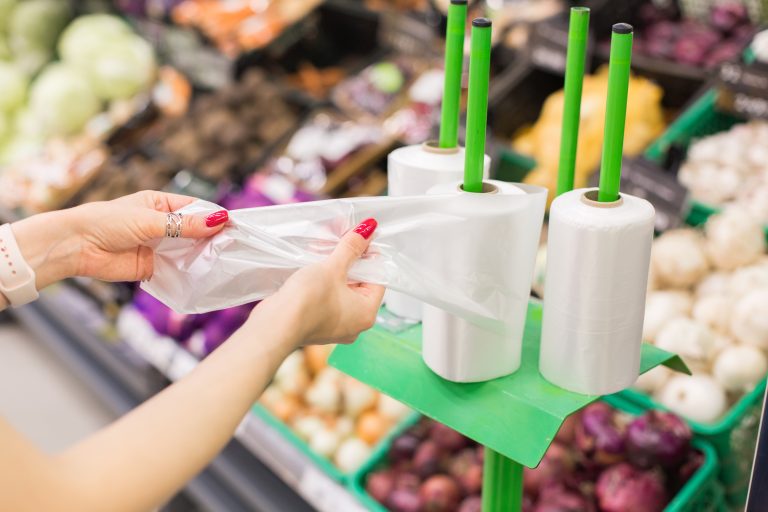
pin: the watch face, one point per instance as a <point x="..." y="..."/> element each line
<point x="757" y="499"/>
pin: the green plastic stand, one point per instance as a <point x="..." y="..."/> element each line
<point x="515" y="417"/>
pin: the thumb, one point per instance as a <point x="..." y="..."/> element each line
<point x="354" y="244"/>
<point x="192" y="226"/>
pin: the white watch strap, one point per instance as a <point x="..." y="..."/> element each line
<point x="17" y="279"/>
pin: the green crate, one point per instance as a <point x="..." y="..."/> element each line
<point x="698" y="121"/>
<point x="734" y="438"/>
<point x="702" y="493"/>
<point x="323" y="463"/>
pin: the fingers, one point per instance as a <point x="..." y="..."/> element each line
<point x="144" y="263"/>
<point x="192" y="226"/>
<point x="160" y="201"/>
<point x="354" y="244"/>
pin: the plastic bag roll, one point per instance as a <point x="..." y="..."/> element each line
<point x="261" y="247"/>
<point x="411" y="171"/>
<point x="594" y="297"/>
<point x="502" y="253"/>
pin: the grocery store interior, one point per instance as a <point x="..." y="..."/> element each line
<point x="402" y="255"/>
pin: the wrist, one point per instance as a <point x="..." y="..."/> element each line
<point x="49" y="244"/>
<point x="282" y="318"/>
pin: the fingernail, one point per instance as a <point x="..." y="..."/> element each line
<point x="217" y="218"/>
<point x="366" y="228"/>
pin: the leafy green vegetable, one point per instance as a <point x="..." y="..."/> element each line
<point x="62" y="99"/>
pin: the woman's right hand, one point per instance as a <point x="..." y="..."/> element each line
<point x="328" y="308"/>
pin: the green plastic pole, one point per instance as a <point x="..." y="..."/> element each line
<point x="502" y="483"/>
<point x="454" y="62"/>
<point x="574" y="79"/>
<point x="615" y="112"/>
<point x="477" y="106"/>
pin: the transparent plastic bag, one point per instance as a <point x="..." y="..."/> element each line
<point x="261" y="247"/>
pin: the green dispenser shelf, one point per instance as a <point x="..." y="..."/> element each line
<point x="516" y="416"/>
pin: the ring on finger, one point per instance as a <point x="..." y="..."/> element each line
<point x="173" y="225"/>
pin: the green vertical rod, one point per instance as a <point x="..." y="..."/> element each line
<point x="477" y="106"/>
<point x="578" y="32"/>
<point x="615" y="112"/>
<point x="502" y="483"/>
<point x="454" y="63"/>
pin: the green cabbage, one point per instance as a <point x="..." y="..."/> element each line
<point x="35" y="25"/>
<point x="62" y="99"/>
<point x="117" y="62"/>
<point x="13" y="87"/>
<point x="86" y="37"/>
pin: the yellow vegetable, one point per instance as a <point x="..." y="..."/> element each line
<point x="542" y="140"/>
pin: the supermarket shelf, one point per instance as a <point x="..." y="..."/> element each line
<point x="236" y="481"/>
<point x="269" y="446"/>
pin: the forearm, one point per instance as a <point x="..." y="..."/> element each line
<point x="48" y="243"/>
<point x="142" y="459"/>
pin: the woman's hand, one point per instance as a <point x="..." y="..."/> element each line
<point x="105" y="240"/>
<point x="327" y="308"/>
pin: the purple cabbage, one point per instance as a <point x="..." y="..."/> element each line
<point x="164" y="320"/>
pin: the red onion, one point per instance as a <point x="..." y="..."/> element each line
<point x="556" y="498"/>
<point x="404" y="500"/>
<point x="467" y="470"/>
<point x="598" y="437"/>
<point x="471" y="504"/>
<point x="426" y="461"/>
<point x="622" y="488"/>
<point x="554" y="467"/>
<point x="404" y="447"/>
<point x="726" y="16"/>
<point x="446" y="437"/>
<point x="440" y="493"/>
<point x="658" y="437"/>
<point x="380" y="485"/>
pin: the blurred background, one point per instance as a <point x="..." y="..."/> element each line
<point x="265" y="102"/>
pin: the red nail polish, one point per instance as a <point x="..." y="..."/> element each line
<point x="366" y="228"/>
<point x="219" y="217"/>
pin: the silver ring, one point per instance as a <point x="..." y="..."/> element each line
<point x="173" y="225"/>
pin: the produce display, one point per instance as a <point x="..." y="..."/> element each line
<point x="707" y="300"/>
<point x="719" y="36"/>
<point x="339" y="417"/>
<point x="730" y="167"/>
<point x="601" y="460"/>
<point x="54" y="115"/>
<point x="645" y="122"/>
<point x="236" y="26"/>
<point x="226" y="131"/>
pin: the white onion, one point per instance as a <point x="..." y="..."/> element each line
<point x="697" y="397"/>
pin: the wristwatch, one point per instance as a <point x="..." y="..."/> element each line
<point x="17" y="279"/>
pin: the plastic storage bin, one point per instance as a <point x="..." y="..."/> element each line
<point x="733" y="437"/>
<point x="702" y="493"/>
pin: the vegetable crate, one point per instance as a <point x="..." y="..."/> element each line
<point x="702" y="493"/>
<point x="733" y="438"/>
<point x="322" y="462"/>
<point x="700" y="120"/>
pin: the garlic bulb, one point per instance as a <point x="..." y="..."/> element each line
<point x="391" y="408"/>
<point x="691" y="340"/>
<point x="661" y="307"/>
<point x="325" y="442"/>
<point x="697" y="397"/>
<point x="357" y="396"/>
<point x="749" y="322"/>
<point x="734" y="239"/>
<point x="714" y="283"/>
<point x="323" y="396"/>
<point x="352" y="454"/>
<point x="653" y="379"/>
<point x="714" y="311"/>
<point x="307" y="426"/>
<point x="292" y="376"/>
<point x="679" y="259"/>
<point x="740" y="367"/>
<point x="745" y="279"/>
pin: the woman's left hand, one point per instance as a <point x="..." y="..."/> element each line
<point x="106" y="240"/>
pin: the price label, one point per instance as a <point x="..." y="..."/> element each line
<point x="743" y="90"/>
<point x="326" y="495"/>
<point x="642" y="178"/>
